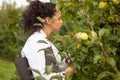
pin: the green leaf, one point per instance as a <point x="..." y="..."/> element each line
<point x="118" y="75"/>
<point x="50" y="55"/>
<point x="53" y="1"/>
<point x="104" y="33"/>
<point x="68" y="37"/>
<point x="59" y="5"/>
<point x="112" y="11"/>
<point x="112" y="61"/>
<point x="64" y="53"/>
<point x="40" y="19"/>
<point x="106" y="74"/>
<point x="37" y="24"/>
<point x="48" y="69"/>
<point x="84" y="49"/>
<point x="44" y="49"/>
<point x="28" y="0"/>
<point x="84" y="69"/>
<point x="42" y="41"/>
<point x="67" y="76"/>
<point x="36" y="71"/>
<point x="97" y="58"/>
<point x="39" y="78"/>
<point x="57" y="77"/>
<point x="41" y="50"/>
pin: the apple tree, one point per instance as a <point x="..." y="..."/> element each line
<point x="90" y="38"/>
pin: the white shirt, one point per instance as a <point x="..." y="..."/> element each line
<point x="36" y="58"/>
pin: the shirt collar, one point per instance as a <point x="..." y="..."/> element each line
<point x="43" y="33"/>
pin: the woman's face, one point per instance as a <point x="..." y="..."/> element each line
<point x="56" y="21"/>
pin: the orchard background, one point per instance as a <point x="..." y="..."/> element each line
<point x="94" y="50"/>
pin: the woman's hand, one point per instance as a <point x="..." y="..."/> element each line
<point x="70" y="70"/>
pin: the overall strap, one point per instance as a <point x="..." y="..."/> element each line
<point x="51" y="60"/>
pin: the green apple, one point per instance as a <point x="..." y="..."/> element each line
<point x="111" y="19"/>
<point x="78" y="46"/>
<point x="116" y="2"/>
<point x="69" y="4"/>
<point x="94" y="34"/>
<point x="83" y="36"/>
<point x="102" y="5"/>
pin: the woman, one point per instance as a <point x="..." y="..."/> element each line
<point x="35" y="52"/>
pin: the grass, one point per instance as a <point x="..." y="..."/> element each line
<point x="7" y="70"/>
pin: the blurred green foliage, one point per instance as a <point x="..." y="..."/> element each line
<point x="7" y="70"/>
<point x="11" y="34"/>
<point x="96" y="58"/>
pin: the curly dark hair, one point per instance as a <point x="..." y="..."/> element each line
<point x="36" y="9"/>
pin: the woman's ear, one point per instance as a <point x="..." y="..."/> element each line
<point x="47" y="19"/>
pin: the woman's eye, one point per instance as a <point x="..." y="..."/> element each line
<point x="59" y="18"/>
